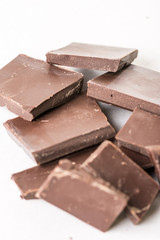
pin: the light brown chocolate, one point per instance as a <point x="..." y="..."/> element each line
<point x="115" y="167"/>
<point x="29" y="87"/>
<point x="132" y="87"/>
<point x="90" y="56"/>
<point x="83" y="194"/>
<point x="154" y="153"/>
<point x="141" y="130"/>
<point x="73" y="126"/>
<point x="30" y="180"/>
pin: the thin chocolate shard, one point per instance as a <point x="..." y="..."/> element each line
<point x="115" y="167"/>
<point x="73" y="126"/>
<point x="154" y="152"/>
<point x="29" y="87"/>
<point x="129" y="88"/>
<point x="83" y="195"/>
<point x="141" y="130"/>
<point x="90" y="56"/>
<point x="30" y="180"/>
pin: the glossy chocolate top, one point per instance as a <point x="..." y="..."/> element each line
<point x="26" y="83"/>
<point x="141" y="130"/>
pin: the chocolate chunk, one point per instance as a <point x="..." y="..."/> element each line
<point x="29" y="87"/>
<point x="83" y="195"/>
<point x="131" y="87"/>
<point x="73" y="126"/>
<point x="30" y="180"/>
<point x="141" y="130"/>
<point x="92" y="56"/>
<point x="118" y="169"/>
<point x="154" y="152"/>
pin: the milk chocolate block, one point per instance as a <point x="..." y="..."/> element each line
<point x="141" y="130"/>
<point x="83" y="195"/>
<point x="154" y="152"/>
<point x="29" y="87"/>
<point x="129" y="88"/>
<point x="90" y="56"/>
<point x="30" y="180"/>
<point x="115" y="167"/>
<point x="73" y="126"/>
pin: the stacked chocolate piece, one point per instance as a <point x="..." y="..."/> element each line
<point x="84" y="167"/>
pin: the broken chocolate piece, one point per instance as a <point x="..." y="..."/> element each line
<point x="154" y="152"/>
<point x="83" y="195"/>
<point x="30" y="180"/>
<point x="141" y="130"/>
<point x="118" y="169"/>
<point x="142" y="160"/>
<point x="129" y="88"/>
<point x="29" y="87"/>
<point x="73" y="126"/>
<point x="90" y="56"/>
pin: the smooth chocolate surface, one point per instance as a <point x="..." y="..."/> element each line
<point x="154" y="152"/>
<point x="118" y="169"/>
<point x="129" y="88"/>
<point x="30" y="180"/>
<point x="73" y="126"/>
<point x="91" y="56"/>
<point x="29" y="87"/>
<point x="83" y="194"/>
<point x="141" y="130"/>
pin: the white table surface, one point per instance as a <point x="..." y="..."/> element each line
<point x="34" y="27"/>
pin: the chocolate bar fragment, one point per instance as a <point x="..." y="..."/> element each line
<point x="90" y="56"/>
<point x="29" y="87"/>
<point x="118" y="169"/>
<point x="83" y="195"/>
<point x="129" y="88"/>
<point x="73" y="126"/>
<point x="141" y="130"/>
<point x="154" y="152"/>
<point x="30" y="180"/>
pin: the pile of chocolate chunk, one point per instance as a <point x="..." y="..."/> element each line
<point x="83" y="166"/>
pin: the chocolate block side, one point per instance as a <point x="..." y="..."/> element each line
<point x="82" y="195"/>
<point x="30" y="180"/>
<point x="115" y="167"/>
<point x="154" y="153"/>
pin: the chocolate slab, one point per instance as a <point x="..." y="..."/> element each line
<point x="30" y="180"/>
<point x="83" y="195"/>
<point x="141" y="130"/>
<point x="29" y="87"/>
<point x="91" y="56"/>
<point x="118" y="169"/>
<point x="154" y="152"/>
<point x="73" y="126"/>
<point x="129" y="88"/>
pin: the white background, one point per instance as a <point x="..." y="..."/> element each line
<point x="34" y="27"/>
